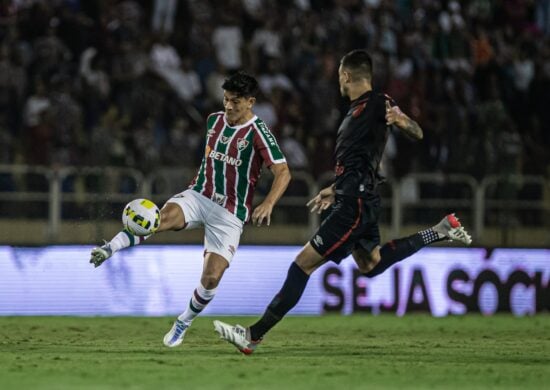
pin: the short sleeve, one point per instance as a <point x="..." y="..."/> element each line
<point x="266" y="144"/>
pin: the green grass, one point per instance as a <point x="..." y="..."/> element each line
<point x="330" y="352"/>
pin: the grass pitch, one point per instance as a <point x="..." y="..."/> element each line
<point x="329" y="352"/>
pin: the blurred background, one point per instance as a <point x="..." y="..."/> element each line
<point x="105" y="101"/>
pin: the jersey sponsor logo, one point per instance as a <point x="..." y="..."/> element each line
<point x="224" y="139"/>
<point x="242" y="143"/>
<point x="225" y="158"/>
<point x="210" y="133"/>
<point x="268" y="135"/>
<point x="318" y="240"/>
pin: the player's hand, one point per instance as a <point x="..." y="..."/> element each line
<point x="261" y="213"/>
<point x="394" y="115"/>
<point x="321" y="202"/>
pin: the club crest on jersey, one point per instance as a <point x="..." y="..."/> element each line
<point x="242" y="143"/>
<point x="219" y="198"/>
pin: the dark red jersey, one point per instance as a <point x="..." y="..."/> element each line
<point x="360" y="144"/>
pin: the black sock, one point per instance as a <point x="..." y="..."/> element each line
<point x="284" y="301"/>
<point x="397" y="250"/>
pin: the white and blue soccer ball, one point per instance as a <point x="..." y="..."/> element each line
<point x="141" y="217"/>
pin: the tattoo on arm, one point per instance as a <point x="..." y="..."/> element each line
<point x="412" y="128"/>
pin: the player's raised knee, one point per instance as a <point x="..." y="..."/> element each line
<point x="366" y="261"/>
<point x="171" y="217"/>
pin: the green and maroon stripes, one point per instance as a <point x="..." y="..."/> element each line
<point x="219" y="166"/>
<point x="198" y="303"/>
<point x="204" y="182"/>
<point x="130" y="236"/>
<point x="233" y="160"/>
<point x="198" y="183"/>
<point x="135" y="240"/>
<point x="231" y="171"/>
<point x="245" y="182"/>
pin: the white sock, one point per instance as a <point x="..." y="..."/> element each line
<point x="124" y="239"/>
<point x="200" y="298"/>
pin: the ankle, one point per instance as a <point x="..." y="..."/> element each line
<point x="252" y="339"/>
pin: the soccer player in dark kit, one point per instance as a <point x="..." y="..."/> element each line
<point x="351" y="226"/>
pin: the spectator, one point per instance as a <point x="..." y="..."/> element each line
<point x="264" y="109"/>
<point x="459" y="81"/>
<point x="266" y="42"/>
<point x="228" y="41"/>
<point x="96" y="85"/>
<point x="291" y="147"/>
<point x="190" y="87"/>
<point x="49" y="52"/>
<point x="163" y="16"/>
<point x="214" y="91"/>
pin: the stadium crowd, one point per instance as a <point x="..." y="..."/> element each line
<point x="129" y="82"/>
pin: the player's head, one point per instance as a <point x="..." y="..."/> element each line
<point x="355" y="67"/>
<point x="239" y="95"/>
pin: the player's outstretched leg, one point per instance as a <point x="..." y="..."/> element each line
<point x="171" y="218"/>
<point x="449" y="228"/>
<point x="123" y="239"/>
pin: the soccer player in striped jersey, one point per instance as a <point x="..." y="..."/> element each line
<point x="352" y="202"/>
<point x="238" y="144"/>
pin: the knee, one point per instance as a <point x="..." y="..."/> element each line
<point x="210" y="281"/>
<point x="375" y="258"/>
<point x="171" y="218"/>
<point x="369" y="263"/>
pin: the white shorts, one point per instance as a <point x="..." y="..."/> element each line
<point x="222" y="230"/>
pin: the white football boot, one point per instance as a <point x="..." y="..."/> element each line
<point x="236" y="335"/>
<point x="450" y="228"/>
<point x="175" y="336"/>
<point x="100" y="254"/>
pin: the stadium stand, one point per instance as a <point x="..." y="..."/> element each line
<point x="89" y="87"/>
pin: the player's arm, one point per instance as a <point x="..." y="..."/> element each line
<point x="394" y="116"/>
<point x="281" y="179"/>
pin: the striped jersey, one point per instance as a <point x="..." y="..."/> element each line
<point x="232" y="162"/>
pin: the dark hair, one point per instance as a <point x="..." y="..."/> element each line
<point x="359" y="62"/>
<point x="242" y="84"/>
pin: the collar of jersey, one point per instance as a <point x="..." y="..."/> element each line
<point x="252" y="120"/>
<point x="361" y="99"/>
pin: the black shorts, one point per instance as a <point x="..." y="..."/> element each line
<point x="351" y="223"/>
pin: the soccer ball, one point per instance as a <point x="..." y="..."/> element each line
<point x="141" y="217"/>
